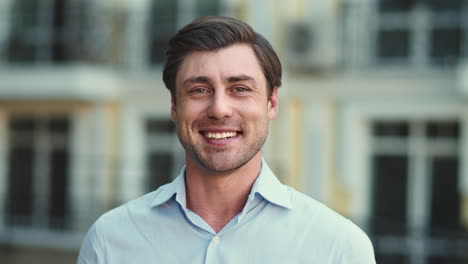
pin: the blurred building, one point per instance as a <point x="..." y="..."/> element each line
<point x="373" y="116"/>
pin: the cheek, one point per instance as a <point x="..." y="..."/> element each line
<point x="190" y="111"/>
<point x="256" y="113"/>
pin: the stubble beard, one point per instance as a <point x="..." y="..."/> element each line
<point x="223" y="162"/>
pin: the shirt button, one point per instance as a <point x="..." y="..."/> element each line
<point x="216" y="240"/>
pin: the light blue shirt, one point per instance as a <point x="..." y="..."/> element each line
<point x="277" y="225"/>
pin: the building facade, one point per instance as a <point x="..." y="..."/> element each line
<point x="373" y="116"/>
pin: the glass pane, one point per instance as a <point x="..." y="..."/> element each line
<point x="445" y="5"/>
<point x="28" y="36"/>
<point x="26" y="15"/>
<point x="22" y="132"/>
<point x="408" y="5"/>
<point x="446" y="45"/>
<point x="22" y="124"/>
<point x="390" y="129"/>
<point x="159" y="170"/>
<point x="21" y="45"/>
<point x="20" y="51"/>
<point x="448" y="260"/>
<point x="59" y="124"/>
<point x="59" y="47"/>
<point x="160" y="126"/>
<point x="58" y="196"/>
<point x="163" y="24"/>
<point x="77" y="36"/>
<point x="59" y="14"/>
<point x="396" y="5"/>
<point x="443" y="129"/>
<point x="393" y="43"/>
<point x="390" y="259"/>
<point x="445" y="203"/>
<point x="300" y="38"/>
<point x="390" y="174"/>
<point x="20" y="186"/>
<point x="208" y="8"/>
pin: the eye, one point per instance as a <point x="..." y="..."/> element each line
<point x="240" y="89"/>
<point x="199" y="90"/>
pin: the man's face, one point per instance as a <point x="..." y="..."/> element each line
<point x="221" y="108"/>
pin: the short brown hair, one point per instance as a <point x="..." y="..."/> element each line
<point x="212" y="33"/>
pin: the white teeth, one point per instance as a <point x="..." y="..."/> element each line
<point x="220" y="135"/>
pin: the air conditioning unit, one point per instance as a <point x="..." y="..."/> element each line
<point x="311" y="46"/>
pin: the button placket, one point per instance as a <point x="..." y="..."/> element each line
<point x="211" y="250"/>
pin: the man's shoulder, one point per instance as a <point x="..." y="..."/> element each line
<point x="316" y="213"/>
<point x="139" y="206"/>
<point x="312" y="208"/>
<point x="125" y="225"/>
<point x="328" y="225"/>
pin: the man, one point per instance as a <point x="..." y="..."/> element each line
<point x="226" y="206"/>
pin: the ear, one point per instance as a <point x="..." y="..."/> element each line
<point x="273" y="103"/>
<point x="173" y="109"/>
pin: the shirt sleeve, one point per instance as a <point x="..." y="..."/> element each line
<point x="91" y="251"/>
<point x="358" y="248"/>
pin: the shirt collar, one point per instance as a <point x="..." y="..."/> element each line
<point x="270" y="188"/>
<point x="176" y="187"/>
<point x="266" y="185"/>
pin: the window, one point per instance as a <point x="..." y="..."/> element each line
<point x="394" y="44"/>
<point x="396" y="5"/>
<point x="163" y="24"/>
<point x="161" y="141"/>
<point x="416" y="201"/>
<point x="38" y="172"/>
<point x="420" y="32"/>
<point x="389" y="189"/>
<point x="164" y="19"/>
<point x="49" y="31"/>
<point x="446" y="44"/>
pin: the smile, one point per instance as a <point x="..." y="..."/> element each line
<point x="220" y="135"/>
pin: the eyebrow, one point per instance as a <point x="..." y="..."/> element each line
<point x="232" y="79"/>
<point x="241" y="77"/>
<point x="196" y="79"/>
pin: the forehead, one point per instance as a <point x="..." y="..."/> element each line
<point x="234" y="60"/>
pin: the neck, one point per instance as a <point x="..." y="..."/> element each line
<point x="219" y="198"/>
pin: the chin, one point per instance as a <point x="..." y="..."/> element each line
<point x="222" y="165"/>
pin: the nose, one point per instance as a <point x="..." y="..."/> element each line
<point x="220" y="106"/>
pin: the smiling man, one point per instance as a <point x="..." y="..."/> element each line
<point x="226" y="206"/>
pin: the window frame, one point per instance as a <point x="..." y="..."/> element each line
<point x="363" y="21"/>
<point x="79" y="191"/>
<point x="138" y="39"/>
<point x="357" y="167"/>
<point x="44" y="35"/>
<point x="160" y="142"/>
<point x="419" y="21"/>
<point x="42" y="154"/>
